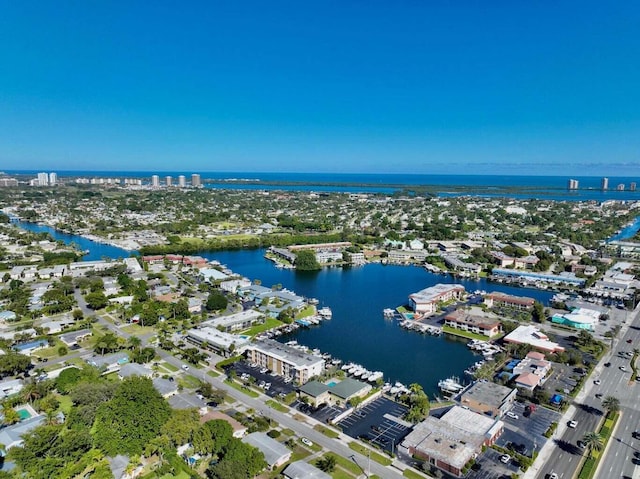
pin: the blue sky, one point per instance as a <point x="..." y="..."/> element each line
<point x="483" y="87"/>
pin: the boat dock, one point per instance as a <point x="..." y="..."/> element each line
<point x="421" y="327"/>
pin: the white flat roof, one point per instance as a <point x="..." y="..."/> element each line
<point x="533" y="336"/>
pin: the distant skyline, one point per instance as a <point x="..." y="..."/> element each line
<point x="345" y="87"/>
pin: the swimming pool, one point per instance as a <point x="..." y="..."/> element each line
<point x="23" y="413"/>
<point x="331" y="384"/>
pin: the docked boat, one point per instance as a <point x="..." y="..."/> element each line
<point x="325" y="312"/>
<point x="389" y="313"/>
<point x="450" y="386"/>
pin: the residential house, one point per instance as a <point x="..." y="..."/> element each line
<point x="275" y="453"/>
<point x="238" y="429"/>
<point x="304" y="470"/>
<point x="133" y="369"/>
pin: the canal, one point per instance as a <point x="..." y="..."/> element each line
<point x="358" y="331"/>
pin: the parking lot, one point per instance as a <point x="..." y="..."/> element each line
<point x="489" y="466"/>
<point x="375" y="423"/>
<point x="277" y="384"/>
<point x="526" y="433"/>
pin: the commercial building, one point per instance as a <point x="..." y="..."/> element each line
<point x="334" y="392"/>
<point x="488" y="398"/>
<point x="453" y="441"/>
<point x="460" y="319"/>
<point x="534" y="337"/>
<point x="426" y="300"/>
<point x="579" y="318"/>
<point x="501" y="299"/>
<point x="285" y="360"/>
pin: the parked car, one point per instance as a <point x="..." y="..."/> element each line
<point x="596" y="382"/>
<point x="306" y="442"/>
<point x="512" y="415"/>
<point x="623" y="368"/>
<point x="572" y="424"/>
<point x="505" y="458"/>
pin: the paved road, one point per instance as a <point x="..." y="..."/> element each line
<point x="565" y="456"/>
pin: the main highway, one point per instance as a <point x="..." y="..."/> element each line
<point x="587" y="411"/>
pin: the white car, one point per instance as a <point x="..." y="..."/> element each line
<point x="572" y="424"/>
<point x="505" y="458"/>
<point x="623" y="368"/>
<point x="306" y="442"/>
<point x="512" y="415"/>
<point x="553" y="475"/>
<point x="596" y="382"/>
<point x="185" y="367"/>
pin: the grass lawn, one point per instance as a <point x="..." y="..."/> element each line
<point x="169" y="366"/>
<point x="341" y="474"/>
<point x="137" y="329"/>
<point x="270" y="323"/>
<point x="379" y="458"/>
<point x="277" y="406"/>
<point x="466" y="334"/>
<point x="411" y="474"/>
<point x="288" y="432"/>
<point x="310" y="310"/>
<point x="181" y="475"/>
<point x="348" y="465"/>
<point x="326" y="431"/>
<point x="242" y="389"/>
<point x="65" y="403"/>
<point x="189" y="382"/>
<point x="49" y="353"/>
<point x="212" y="373"/>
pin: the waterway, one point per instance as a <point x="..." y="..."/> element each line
<point x="358" y="332"/>
<point x="628" y="231"/>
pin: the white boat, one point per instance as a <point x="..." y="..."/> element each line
<point x="375" y="376"/>
<point x="325" y="312"/>
<point x="450" y="385"/>
<point x="347" y="366"/>
<point x="366" y="375"/>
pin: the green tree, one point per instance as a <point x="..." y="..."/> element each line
<point x="134" y="416"/>
<point x="611" y="403"/>
<point x="327" y="463"/>
<point x="181" y="426"/>
<point x="107" y="344"/>
<point x="212" y="437"/>
<point x="306" y="260"/>
<point x="216" y="301"/>
<point x="10" y="415"/>
<point x="593" y="442"/>
<point x="13" y="363"/>
<point x="96" y="300"/>
<point x="538" y="312"/>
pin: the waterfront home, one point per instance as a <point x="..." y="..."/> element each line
<point x="217" y="341"/>
<point x="458" y="265"/>
<point x="488" y="398"/>
<point x="285" y="360"/>
<point x="427" y="300"/>
<point x="334" y="392"/>
<point x="304" y="470"/>
<point x="451" y="442"/>
<point x="235" y="322"/>
<point x="405" y="256"/>
<point x="275" y="453"/>
<point x="233" y="285"/>
<point x="564" y="277"/>
<point x="502" y="299"/>
<point x="464" y="321"/>
<point x="211" y="275"/>
<point x="534" y="337"/>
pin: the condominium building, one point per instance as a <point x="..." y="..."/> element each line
<point x="604" y="183"/>
<point x="168" y="180"/>
<point x="155" y="181"/>
<point x="285" y="360"/>
<point x="53" y="178"/>
<point x="43" y="179"/>
<point x="182" y="182"/>
<point x="426" y="300"/>
<point x="195" y="180"/>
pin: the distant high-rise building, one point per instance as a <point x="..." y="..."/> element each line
<point x="53" y="178"/>
<point x="604" y="184"/>
<point x="168" y="180"/>
<point x="620" y="187"/>
<point x="572" y="184"/>
<point x="195" y="180"/>
<point x="155" y="181"/>
<point x="43" y="179"/>
<point x="632" y="186"/>
<point x="181" y="181"/>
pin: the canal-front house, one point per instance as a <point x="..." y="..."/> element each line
<point x="453" y="441"/>
<point x="489" y="399"/>
<point x="501" y="300"/>
<point x="285" y="360"/>
<point x="464" y="321"/>
<point x="427" y="300"/>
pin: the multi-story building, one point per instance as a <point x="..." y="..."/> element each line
<point x="53" y="178"/>
<point x="604" y="183"/>
<point x="182" y="182"/>
<point x="502" y="299"/>
<point x="632" y="186"/>
<point x="168" y="180"/>
<point x="285" y="360"/>
<point x="155" y="181"/>
<point x="43" y="179"/>
<point x="620" y="187"/>
<point x="489" y="399"/>
<point x="195" y="180"/>
<point x="572" y="184"/>
<point x="426" y="300"/>
<point x="464" y="321"/>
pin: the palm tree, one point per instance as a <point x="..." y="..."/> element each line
<point x="11" y="416"/>
<point x="31" y="391"/>
<point x="134" y="342"/>
<point x="611" y="403"/>
<point x="593" y="442"/>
